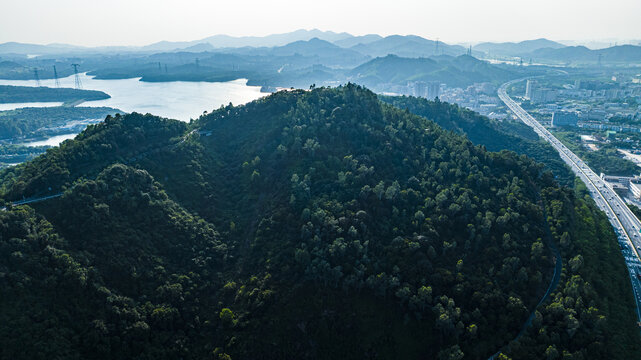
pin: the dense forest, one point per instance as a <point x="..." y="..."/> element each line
<point x="13" y="154"/>
<point x="21" y="94"/>
<point x="494" y="135"/>
<point x="315" y="224"/>
<point x="606" y="159"/>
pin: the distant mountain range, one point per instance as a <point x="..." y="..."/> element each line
<point x="352" y="49"/>
<point x="355" y="40"/>
<point x="226" y="41"/>
<point x="407" y="46"/>
<point x="369" y="45"/>
<point x="455" y="71"/>
<point x="514" y="49"/>
<point x="206" y="44"/>
<point x="546" y="50"/>
<point x="324" y="52"/>
<point x="622" y="53"/>
<point x="299" y="58"/>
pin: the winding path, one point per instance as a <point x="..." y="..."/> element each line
<point x="625" y="223"/>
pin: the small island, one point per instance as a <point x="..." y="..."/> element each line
<point x="23" y="94"/>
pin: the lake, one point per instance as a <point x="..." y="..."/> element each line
<point x="52" y="141"/>
<point x="182" y="100"/>
<point x="12" y="106"/>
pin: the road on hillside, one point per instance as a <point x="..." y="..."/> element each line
<point x="626" y="225"/>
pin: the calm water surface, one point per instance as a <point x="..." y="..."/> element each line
<point x="12" y="106"/>
<point x="182" y="100"/>
<point x="52" y="141"/>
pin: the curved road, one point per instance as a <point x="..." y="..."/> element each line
<point x="625" y="223"/>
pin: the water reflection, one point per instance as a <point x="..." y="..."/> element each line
<point x="182" y="100"/>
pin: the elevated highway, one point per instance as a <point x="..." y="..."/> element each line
<point x="626" y="225"/>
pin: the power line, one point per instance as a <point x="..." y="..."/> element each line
<point x="35" y="75"/>
<point x="75" y="70"/>
<point x="55" y="77"/>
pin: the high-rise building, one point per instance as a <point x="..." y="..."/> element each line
<point x="418" y="88"/>
<point x="433" y="90"/>
<point x="529" y="89"/>
<point x="429" y="90"/>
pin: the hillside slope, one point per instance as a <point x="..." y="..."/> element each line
<point x="454" y="71"/>
<point x="410" y="46"/>
<point x="309" y="224"/>
<point x="516" y="49"/>
<point x="616" y="54"/>
<point x="493" y="135"/>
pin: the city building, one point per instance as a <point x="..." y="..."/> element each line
<point x="433" y="90"/>
<point x="418" y="88"/>
<point x="635" y="188"/>
<point x="563" y="118"/>
<point x="621" y="184"/>
<point x="529" y="88"/>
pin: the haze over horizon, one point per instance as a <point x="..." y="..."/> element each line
<point x="456" y="21"/>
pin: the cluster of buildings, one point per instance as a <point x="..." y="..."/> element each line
<point x="425" y="89"/>
<point x="592" y="90"/>
<point x="538" y="95"/>
<point x="623" y="184"/>
<point x="589" y="103"/>
<point x="429" y="90"/>
<point x="596" y="90"/>
<point x="611" y="106"/>
<point x="588" y="121"/>
<point x="479" y="97"/>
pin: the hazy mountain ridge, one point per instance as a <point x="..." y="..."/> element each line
<point x="355" y="40"/>
<point x="370" y="45"/>
<point x="620" y="53"/>
<point x="404" y="43"/>
<point x="515" y="49"/>
<point x="216" y="41"/>
<point x="454" y="71"/>
<point x="407" y="46"/>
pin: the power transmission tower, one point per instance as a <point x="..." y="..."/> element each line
<point x="55" y="77"/>
<point x="35" y="75"/>
<point x="75" y="70"/>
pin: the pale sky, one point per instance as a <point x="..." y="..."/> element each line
<point x="140" y="22"/>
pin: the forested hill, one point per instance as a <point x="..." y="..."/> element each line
<point x="20" y="94"/>
<point x="454" y="71"/>
<point x="494" y="135"/>
<point x="315" y="224"/>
